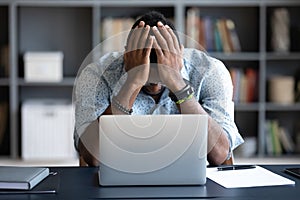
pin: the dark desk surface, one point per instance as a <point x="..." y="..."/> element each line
<point x="82" y="183"/>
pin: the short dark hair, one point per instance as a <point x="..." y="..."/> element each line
<point x="151" y="18"/>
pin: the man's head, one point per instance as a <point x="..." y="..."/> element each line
<point x="152" y="18"/>
<point x="153" y="86"/>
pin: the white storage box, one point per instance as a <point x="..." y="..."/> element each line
<point x="43" y="66"/>
<point x="47" y="130"/>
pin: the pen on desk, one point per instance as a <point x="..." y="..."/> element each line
<point x="237" y="167"/>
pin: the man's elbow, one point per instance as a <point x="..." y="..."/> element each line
<point x="219" y="153"/>
<point x="217" y="156"/>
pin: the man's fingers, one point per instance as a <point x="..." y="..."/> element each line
<point x="174" y="37"/>
<point x="160" y="39"/>
<point x="129" y="46"/>
<point x="181" y="48"/>
<point x="137" y="36"/>
<point x="157" y="48"/>
<point x="134" y="37"/>
<point x="149" y="45"/>
<point x="144" y="37"/>
<point x="167" y="36"/>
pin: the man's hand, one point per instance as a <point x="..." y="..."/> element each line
<point x="137" y="55"/>
<point x="169" y="57"/>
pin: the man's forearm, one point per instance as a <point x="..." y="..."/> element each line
<point x="218" y="144"/>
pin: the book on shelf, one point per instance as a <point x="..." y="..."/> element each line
<point x="213" y="34"/>
<point x="286" y="140"/>
<point x="297" y="143"/>
<point x="280" y="30"/>
<point x="297" y="137"/>
<point x="234" y="40"/>
<point x="251" y="87"/>
<point x="277" y="150"/>
<point x="297" y="91"/>
<point x="222" y="28"/>
<point x="235" y="74"/>
<point x="4" y="61"/>
<point x="192" y="27"/>
<point x="268" y="138"/>
<point x="202" y="33"/>
<point x="278" y="139"/>
<point x="3" y="120"/>
<point x="21" y="178"/>
<point x="218" y="41"/>
<point x="244" y="84"/>
<point x="209" y="33"/>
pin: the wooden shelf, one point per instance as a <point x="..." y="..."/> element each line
<point x="243" y="56"/>
<point x="64" y="82"/>
<point x="282" y="107"/>
<point x="283" y="56"/>
<point x="247" y="107"/>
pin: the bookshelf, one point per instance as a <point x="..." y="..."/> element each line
<point x="74" y="27"/>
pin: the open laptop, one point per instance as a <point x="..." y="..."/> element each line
<point x="153" y="149"/>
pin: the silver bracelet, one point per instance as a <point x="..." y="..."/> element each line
<point x="120" y="107"/>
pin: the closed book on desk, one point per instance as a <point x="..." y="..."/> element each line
<point x="22" y="178"/>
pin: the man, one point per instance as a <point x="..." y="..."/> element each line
<point x="156" y="75"/>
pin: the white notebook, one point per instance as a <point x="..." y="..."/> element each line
<point x="21" y="178"/>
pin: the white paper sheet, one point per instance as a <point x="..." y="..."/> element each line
<point x="255" y="177"/>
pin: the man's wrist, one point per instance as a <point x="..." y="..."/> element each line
<point x="182" y="95"/>
<point x="121" y="107"/>
<point x="178" y="85"/>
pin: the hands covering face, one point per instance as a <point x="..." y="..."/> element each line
<point x="168" y="50"/>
